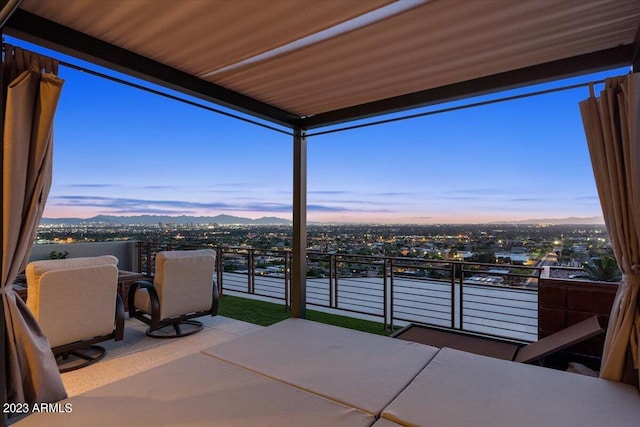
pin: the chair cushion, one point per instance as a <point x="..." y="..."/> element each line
<point x="73" y="299"/>
<point x="463" y="389"/>
<point x="184" y="281"/>
<point x="36" y="269"/>
<point x="143" y="300"/>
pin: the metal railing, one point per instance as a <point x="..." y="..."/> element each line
<point x="499" y="300"/>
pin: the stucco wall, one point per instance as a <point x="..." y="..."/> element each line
<point x="124" y="251"/>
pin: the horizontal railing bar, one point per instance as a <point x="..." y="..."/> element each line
<point x="431" y="291"/>
<point x="424" y="316"/>
<point x="497" y="304"/>
<point x="470" y="315"/>
<point x="423" y="288"/>
<point x="399" y="287"/>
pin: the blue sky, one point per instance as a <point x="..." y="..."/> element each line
<point x="122" y="151"/>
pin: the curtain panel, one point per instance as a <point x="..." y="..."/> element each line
<point x="612" y="129"/>
<point x="30" y="94"/>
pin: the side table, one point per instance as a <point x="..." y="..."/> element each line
<point x="125" y="280"/>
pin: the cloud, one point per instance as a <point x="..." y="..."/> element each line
<point x="462" y="198"/>
<point x="269" y="207"/>
<point x="367" y="203"/>
<point x="324" y="208"/>
<point x="91" y="185"/>
<point x="330" y="192"/>
<point x="233" y="185"/>
<point x="489" y="191"/>
<point x="128" y="205"/>
<point x="530" y="199"/>
<point x="392" y="194"/>
<point x="157" y="187"/>
<point x="122" y="203"/>
<point x="345" y="192"/>
<point x="589" y="198"/>
<point x="154" y="211"/>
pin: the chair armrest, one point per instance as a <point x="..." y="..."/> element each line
<point x="153" y="298"/>
<point x="132" y="293"/>
<point x="214" y="300"/>
<point x="119" y="331"/>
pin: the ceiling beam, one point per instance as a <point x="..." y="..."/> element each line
<point x="43" y="32"/>
<point x="46" y="33"/>
<point x="620" y="56"/>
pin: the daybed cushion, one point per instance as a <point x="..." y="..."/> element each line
<point x="383" y="422"/>
<point x="361" y="370"/>
<point x="198" y="390"/>
<point x="464" y="389"/>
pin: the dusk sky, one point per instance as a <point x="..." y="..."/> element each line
<point x="121" y="151"/>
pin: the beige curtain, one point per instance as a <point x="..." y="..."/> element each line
<point x="30" y="93"/>
<point x="612" y="128"/>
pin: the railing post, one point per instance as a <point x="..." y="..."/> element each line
<point x="148" y="272"/>
<point x="391" y="290"/>
<point x="336" y="275"/>
<point x="385" y="295"/>
<point x="219" y="267"/>
<point x="453" y="295"/>
<point x="332" y="280"/>
<point x="461" y="299"/>
<point x="287" y="272"/>
<point x="139" y="255"/>
<point x="250" y="272"/>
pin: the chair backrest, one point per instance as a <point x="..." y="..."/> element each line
<point x="560" y="340"/>
<point x="73" y="299"/>
<point x="184" y="281"/>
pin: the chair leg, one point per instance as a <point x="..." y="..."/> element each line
<point x="180" y="328"/>
<point x="79" y="358"/>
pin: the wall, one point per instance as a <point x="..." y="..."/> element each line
<point x="125" y="251"/>
<point x="564" y="302"/>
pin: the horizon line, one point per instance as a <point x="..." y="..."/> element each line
<point x="597" y="220"/>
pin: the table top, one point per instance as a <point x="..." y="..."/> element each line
<point x="123" y="274"/>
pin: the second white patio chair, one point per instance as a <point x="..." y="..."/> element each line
<point x="183" y="289"/>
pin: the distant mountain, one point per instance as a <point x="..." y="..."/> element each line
<point x="559" y="221"/>
<point x="236" y="220"/>
<point x="155" y="219"/>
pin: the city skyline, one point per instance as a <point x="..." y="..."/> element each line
<point x="122" y="151"/>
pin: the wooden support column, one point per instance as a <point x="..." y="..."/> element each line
<point x="299" y="258"/>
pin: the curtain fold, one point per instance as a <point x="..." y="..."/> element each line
<point x="612" y="129"/>
<point x="30" y="94"/>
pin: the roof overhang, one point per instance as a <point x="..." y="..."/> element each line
<point x="432" y="52"/>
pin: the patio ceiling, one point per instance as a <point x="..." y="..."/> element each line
<point x="310" y="63"/>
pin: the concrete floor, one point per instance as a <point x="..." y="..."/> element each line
<point x="137" y="352"/>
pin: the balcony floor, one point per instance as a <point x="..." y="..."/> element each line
<point x="138" y="352"/>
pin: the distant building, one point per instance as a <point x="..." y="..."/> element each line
<point x="517" y="258"/>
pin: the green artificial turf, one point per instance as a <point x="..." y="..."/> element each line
<point x="266" y="313"/>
